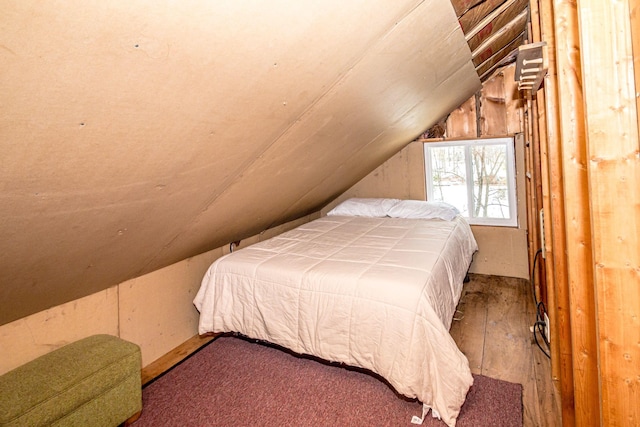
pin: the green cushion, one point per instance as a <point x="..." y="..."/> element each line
<point x="71" y="378"/>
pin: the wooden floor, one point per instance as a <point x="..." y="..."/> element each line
<point x="493" y="331"/>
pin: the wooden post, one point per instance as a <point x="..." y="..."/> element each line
<point x="537" y="181"/>
<point x="561" y="350"/>
<point x="577" y="219"/>
<point x="531" y="194"/>
<point x="614" y="180"/>
<point x="635" y="36"/>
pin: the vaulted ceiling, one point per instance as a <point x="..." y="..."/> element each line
<point x="134" y="134"/>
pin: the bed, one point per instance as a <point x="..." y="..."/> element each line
<point x="374" y="288"/>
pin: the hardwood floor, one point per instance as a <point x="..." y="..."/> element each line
<point x="492" y="328"/>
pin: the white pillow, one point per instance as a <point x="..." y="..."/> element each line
<point x="422" y="209"/>
<point x="364" y="207"/>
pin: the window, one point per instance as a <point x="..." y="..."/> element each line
<point x="476" y="176"/>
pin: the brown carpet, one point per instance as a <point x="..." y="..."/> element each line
<point x="236" y="382"/>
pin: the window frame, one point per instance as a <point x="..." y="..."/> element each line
<point x="509" y="143"/>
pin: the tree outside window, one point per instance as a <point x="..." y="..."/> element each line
<point x="476" y="176"/>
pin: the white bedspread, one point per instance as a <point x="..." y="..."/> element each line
<point x="376" y="293"/>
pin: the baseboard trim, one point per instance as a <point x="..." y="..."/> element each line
<point x="175" y="356"/>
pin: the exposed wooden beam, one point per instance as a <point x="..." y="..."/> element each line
<point x="555" y="230"/>
<point x="510" y="48"/>
<point x="515" y="22"/>
<point x="635" y="34"/>
<point x="614" y="182"/>
<point x="487" y="19"/>
<point x="548" y="124"/>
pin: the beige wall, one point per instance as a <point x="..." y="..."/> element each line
<point x="503" y="250"/>
<point x="400" y="177"/>
<point x="154" y="311"/>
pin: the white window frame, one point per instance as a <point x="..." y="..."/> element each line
<point x="512" y="221"/>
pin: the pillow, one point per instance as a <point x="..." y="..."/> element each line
<point x="364" y="207"/>
<point x="422" y="209"/>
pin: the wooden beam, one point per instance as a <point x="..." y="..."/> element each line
<point x="539" y="274"/>
<point x="487" y="19"/>
<point x="561" y="349"/>
<point x="540" y="153"/>
<point x="500" y="58"/>
<point x="515" y="23"/>
<point x="577" y="220"/>
<point x="635" y="35"/>
<point x="614" y="182"/>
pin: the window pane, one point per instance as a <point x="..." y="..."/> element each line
<point x="490" y="181"/>
<point x="476" y="176"/>
<point x="449" y="177"/>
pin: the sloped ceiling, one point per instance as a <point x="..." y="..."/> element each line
<point x="134" y="134"/>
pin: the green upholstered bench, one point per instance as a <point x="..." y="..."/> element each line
<point x="91" y="382"/>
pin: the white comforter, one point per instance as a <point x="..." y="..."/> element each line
<point x="377" y="293"/>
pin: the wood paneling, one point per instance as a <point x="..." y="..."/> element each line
<point x="614" y="181"/>
<point x="577" y="220"/>
<point x="30" y="337"/>
<point x="493" y="120"/>
<point x="513" y="102"/>
<point x="462" y="122"/>
<point x="502" y="251"/>
<point x="154" y="311"/>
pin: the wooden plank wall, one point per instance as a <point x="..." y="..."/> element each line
<point x="577" y="219"/>
<point x="592" y="162"/>
<point x="495" y="111"/>
<point x="614" y="181"/>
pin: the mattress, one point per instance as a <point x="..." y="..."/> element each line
<point x="375" y="293"/>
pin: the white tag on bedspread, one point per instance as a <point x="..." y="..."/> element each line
<point x="419" y="420"/>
